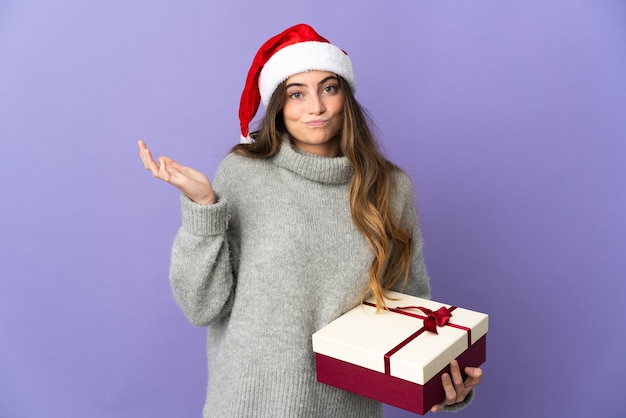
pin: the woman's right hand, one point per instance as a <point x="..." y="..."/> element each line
<point x="191" y="182"/>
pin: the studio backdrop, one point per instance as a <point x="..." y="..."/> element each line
<point x="508" y="116"/>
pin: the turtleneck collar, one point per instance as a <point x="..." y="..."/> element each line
<point x="337" y="170"/>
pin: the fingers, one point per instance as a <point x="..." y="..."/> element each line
<point x="455" y="389"/>
<point x="453" y="384"/>
<point x="449" y="392"/>
<point x="191" y="182"/>
<point x="163" y="172"/>
<point x="158" y="169"/>
<point x="457" y="380"/>
<point x="146" y="156"/>
<point x="142" y="151"/>
<point x="474" y="377"/>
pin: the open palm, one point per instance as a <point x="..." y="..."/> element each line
<point x="188" y="180"/>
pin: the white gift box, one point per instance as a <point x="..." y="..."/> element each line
<point x="391" y="356"/>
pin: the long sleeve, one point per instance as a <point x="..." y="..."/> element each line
<point x="200" y="270"/>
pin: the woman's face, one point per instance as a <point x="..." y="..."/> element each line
<point x="313" y="111"/>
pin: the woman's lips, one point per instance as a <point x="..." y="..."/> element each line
<point x="316" y="123"/>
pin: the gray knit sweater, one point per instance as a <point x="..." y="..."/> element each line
<point x="274" y="260"/>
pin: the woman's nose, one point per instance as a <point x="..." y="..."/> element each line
<point x="316" y="104"/>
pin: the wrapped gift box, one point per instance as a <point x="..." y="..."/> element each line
<point x="394" y="356"/>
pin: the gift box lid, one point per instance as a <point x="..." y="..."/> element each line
<point x="363" y="337"/>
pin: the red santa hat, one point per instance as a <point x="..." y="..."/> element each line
<point x="295" y="50"/>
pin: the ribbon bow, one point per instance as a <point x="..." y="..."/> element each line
<point x="433" y="319"/>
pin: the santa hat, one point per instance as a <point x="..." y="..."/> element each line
<point x="295" y="50"/>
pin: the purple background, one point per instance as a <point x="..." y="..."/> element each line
<point x="509" y="116"/>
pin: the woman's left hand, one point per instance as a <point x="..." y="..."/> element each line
<point x="454" y="387"/>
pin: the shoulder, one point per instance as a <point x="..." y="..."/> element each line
<point x="237" y="169"/>
<point x="234" y="164"/>
<point x="234" y="161"/>
<point x="402" y="183"/>
<point x="403" y="196"/>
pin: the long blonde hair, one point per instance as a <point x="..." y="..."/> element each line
<point x="370" y="188"/>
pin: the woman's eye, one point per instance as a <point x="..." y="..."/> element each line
<point x="295" y="95"/>
<point x="330" y="89"/>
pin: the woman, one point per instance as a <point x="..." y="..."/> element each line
<point x="304" y="218"/>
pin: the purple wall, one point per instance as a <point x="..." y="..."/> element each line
<point x="510" y="117"/>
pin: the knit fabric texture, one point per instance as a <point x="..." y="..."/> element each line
<point x="274" y="260"/>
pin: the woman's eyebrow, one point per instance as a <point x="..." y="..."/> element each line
<point x="294" y="85"/>
<point x="330" y="77"/>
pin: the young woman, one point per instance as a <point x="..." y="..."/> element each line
<point x="304" y="218"/>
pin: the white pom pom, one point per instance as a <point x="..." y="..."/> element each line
<point x="245" y="139"/>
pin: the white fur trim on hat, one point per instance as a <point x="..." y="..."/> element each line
<point x="301" y="57"/>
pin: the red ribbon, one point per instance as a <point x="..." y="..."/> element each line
<point x="440" y="317"/>
<point x="433" y="319"/>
